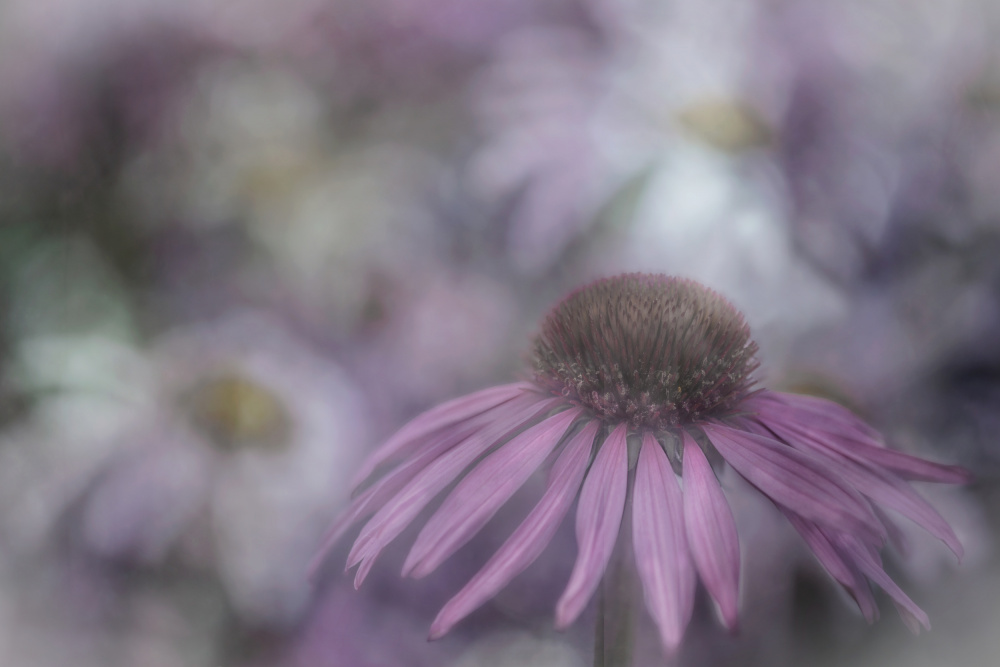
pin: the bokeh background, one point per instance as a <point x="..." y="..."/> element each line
<point x="242" y="242"/>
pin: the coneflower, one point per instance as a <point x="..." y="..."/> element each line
<point x="643" y="388"/>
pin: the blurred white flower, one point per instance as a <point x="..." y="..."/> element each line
<point x="692" y="111"/>
<point x="330" y="196"/>
<point x="671" y="111"/>
<point x="64" y="286"/>
<point x="228" y="445"/>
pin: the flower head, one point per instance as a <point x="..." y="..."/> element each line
<point x="652" y="351"/>
<point x="218" y="446"/>
<point x="655" y="371"/>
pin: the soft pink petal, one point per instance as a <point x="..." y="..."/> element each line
<point x="863" y="446"/>
<point x="481" y="493"/>
<point x="711" y="532"/>
<point x="881" y="486"/>
<point x="375" y="496"/>
<point x="441" y="416"/>
<point x="661" y="550"/>
<point x="831" y="558"/>
<point x="598" y="518"/>
<point x="848" y="558"/>
<point x="867" y="559"/>
<point x="897" y="536"/>
<point x="531" y="537"/>
<point x="907" y="466"/>
<point x="795" y="480"/>
<point x="395" y="515"/>
<point x="821" y="412"/>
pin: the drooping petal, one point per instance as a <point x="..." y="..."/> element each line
<point x="867" y="559"/>
<point x="396" y="514"/>
<point x="531" y="537"/>
<point x="862" y="447"/>
<point x="711" y="532"/>
<point x="905" y="465"/>
<point x="842" y="569"/>
<point x="849" y="560"/>
<point x="897" y="536"/>
<point x="795" y="480"/>
<point x="481" y="493"/>
<point x="661" y="550"/>
<point x="880" y="485"/>
<point x="441" y="416"/>
<point x="598" y="519"/>
<point x="375" y="496"/>
<point x="818" y="411"/>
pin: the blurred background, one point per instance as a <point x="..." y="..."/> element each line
<point x="242" y="242"/>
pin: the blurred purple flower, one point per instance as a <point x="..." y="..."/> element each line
<point x="535" y="104"/>
<point x="507" y="648"/>
<point x="865" y="134"/>
<point x="226" y="446"/>
<point x="262" y="151"/>
<point x="364" y="631"/>
<point x="433" y="329"/>
<point x="582" y="120"/>
<point x="670" y="362"/>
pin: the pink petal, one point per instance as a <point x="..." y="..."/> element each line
<point x="820" y="412"/>
<point x="598" y="518"/>
<point x="711" y="532"/>
<point x="531" y="537"/>
<point x="795" y="480"/>
<point x="831" y="558"/>
<point x="375" y="496"/>
<point x="880" y="485"/>
<point x="905" y="465"/>
<point x="395" y="515"/>
<point x="897" y="536"/>
<point x="426" y="423"/>
<point x="481" y="493"/>
<point x="865" y="557"/>
<point x="863" y="447"/>
<point x="661" y="551"/>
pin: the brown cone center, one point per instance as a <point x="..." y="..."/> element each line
<point x="650" y="350"/>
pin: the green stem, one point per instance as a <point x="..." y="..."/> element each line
<point x="614" y="631"/>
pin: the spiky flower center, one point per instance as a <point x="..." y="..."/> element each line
<point x="650" y="350"/>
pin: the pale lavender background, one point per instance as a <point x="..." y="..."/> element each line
<point x="361" y="209"/>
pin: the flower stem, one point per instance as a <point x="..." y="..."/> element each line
<point x="614" y="630"/>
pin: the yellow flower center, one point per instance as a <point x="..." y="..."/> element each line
<point x="236" y="412"/>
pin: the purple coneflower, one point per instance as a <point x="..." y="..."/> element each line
<point x="643" y="385"/>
